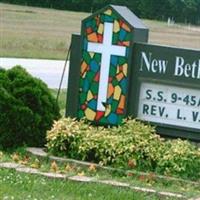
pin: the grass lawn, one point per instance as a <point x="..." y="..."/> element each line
<point x="46" y="33"/>
<point x="15" y="185"/>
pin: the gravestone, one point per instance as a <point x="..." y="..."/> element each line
<point x="115" y="73"/>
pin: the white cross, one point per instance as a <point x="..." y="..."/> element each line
<point x="106" y="49"/>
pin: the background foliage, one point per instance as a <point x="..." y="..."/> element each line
<point x="187" y="11"/>
<point x="132" y="145"/>
<point x="27" y="109"/>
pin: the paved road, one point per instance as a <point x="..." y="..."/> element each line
<point x="49" y="71"/>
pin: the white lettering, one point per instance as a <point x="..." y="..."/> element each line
<point x="187" y="70"/>
<point x="145" y="59"/>
<point x="179" y="66"/>
<point x="153" y="65"/>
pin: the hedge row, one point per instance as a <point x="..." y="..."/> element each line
<point x="132" y="145"/>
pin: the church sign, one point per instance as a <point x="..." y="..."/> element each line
<point x="115" y="73"/>
<point x="165" y="89"/>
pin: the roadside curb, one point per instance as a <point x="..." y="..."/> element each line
<point x="41" y="153"/>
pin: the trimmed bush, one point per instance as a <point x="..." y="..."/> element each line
<point x="27" y="109"/>
<point x="180" y="158"/>
<point x="130" y="146"/>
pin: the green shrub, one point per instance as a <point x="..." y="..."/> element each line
<point x="27" y="109"/>
<point x="118" y="146"/>
<point x="130" y="146"/>
<point x="179" y="158"/>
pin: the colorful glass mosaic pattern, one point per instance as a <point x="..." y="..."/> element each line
<point x="90" y="70"/>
